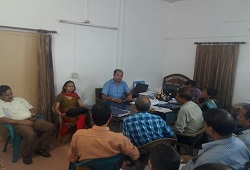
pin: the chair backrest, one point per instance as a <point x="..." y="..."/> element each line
<point x="148" y="147"/>
<point x="98" y="95"/>
<point x="196" y="139"/>
<point x="110" y="163"/>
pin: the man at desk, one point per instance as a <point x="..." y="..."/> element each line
<point x="114" y="90"/>
<point x="144" y="127"/>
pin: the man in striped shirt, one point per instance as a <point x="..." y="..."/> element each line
<point x="225" y="148"/>
<point x="144" y="127"/>
<point x="244" y="120"/>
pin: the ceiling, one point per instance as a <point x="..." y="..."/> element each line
<point x="171" y="1"/>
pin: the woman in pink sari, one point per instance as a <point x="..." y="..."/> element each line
<point x="66" y="100"/>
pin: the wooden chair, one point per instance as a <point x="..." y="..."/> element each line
<point x="146" y="149"/>
<point x="198" y="138"/>
<point x="109" y="163"/>
<point x="98" y="95"/>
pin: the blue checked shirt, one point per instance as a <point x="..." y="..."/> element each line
<point x="143" y="128"/>
<point x="230" y="151"/>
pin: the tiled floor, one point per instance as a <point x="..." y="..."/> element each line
<point x="58" y="161"/>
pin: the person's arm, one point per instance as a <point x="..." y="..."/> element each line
<point x="57" y="109"/>
<point x="128" y="92"/>
<point x="129" y="96"/>
<point x="107" y="98"/>
<point x="185" y="158"/>
<point x="105" y="94"/>
<point x="80" y="104"/>
<point x="167" y="131"/>
<point x="129" y="149"/>
<point x="32" y="111"/>
<point x="16" y="122"/>
<point x="180" y="123"/>
<point x="72" y="153"/>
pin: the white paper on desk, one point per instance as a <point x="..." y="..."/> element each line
<point x="161" y="109"/>
<point x="147" y="93"/>
<point x="154" y="102"/>
<point x="163" y="102"/>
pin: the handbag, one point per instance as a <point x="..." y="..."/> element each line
<point x="76" y="111"/>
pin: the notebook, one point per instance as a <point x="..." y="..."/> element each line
<point x="139" y="88"/>
<point x="119" y="112"/>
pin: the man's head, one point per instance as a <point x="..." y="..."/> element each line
<point x="209" y="93"/>
<point x="244" y="116"/>
<point x="6" y="93"/>
<point x="118" y="75"/>
<point x="163" y="156"/>
<point x="101" y="113"/>
<point x="142" y="104"/>
<point x="213" y="166"/>
<point x="218" y="123"/>
<point x="190" y="85"/>
<point x="183" y="96"/>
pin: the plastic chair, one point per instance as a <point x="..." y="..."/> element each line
<point x="16" y="140"/>
<point x="109" y="163"/>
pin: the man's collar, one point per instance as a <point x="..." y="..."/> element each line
<point x="217" y="142"/>
<point x="104" y="128"/>
<point x="246" y="131"/>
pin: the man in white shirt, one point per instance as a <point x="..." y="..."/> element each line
<point x="18" y="112"/>
<point x="189" y="120"/>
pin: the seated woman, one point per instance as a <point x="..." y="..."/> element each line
<point x="66" y="100"/>
<point x="207" y="100"/>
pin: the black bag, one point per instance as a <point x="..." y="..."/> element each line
<point x="76" y="111"/>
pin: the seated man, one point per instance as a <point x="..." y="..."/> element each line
<point x="214" y="166"/>
<point x="196" y="93"/>
<point x="18" y="112"/>
<point x="163" y="156"/>
<point x="189" y="118"/>
<point x="144" y="127"/>
<point x="114" y="90"/>
<point x="224" y="149"/>
<point x="244" y="120"/>
<point x="99" y="142"/>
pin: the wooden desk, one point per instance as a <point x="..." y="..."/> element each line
<point x="116" y="123"/>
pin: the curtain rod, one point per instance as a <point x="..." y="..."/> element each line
<point x="220" y="43"/>
<point x="86" y="23"/>
<point x="29" y="29"/>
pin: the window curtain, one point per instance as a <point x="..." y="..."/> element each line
<point x="215" y="66"/>
<point x="45" y="83"/>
